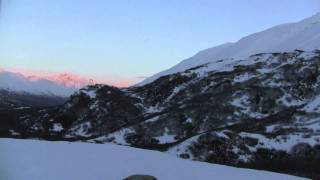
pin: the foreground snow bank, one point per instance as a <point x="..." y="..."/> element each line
<point x="43" y="160"/>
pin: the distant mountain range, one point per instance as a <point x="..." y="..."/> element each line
<point x="12" y="99"/>
<point x="302" y="35"/>
<point x="59" y="85"/>
<point x="22" y="91"/>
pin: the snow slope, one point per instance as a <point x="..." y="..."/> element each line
<point x="304" y="35"/>
<point x="39" y="86"/>
<point x="43" y="160"/>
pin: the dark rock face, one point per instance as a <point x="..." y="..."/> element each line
<point x="261" y="112"/>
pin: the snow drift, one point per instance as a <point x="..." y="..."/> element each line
<point x="43" y="160"/>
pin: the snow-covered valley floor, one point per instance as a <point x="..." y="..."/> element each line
<point x="44" y="160"/>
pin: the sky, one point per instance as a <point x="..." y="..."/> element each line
<point x="123" y="41"/>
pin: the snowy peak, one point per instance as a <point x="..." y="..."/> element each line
<point x="34" y="85"/>
<point x="69" y="80"/>
<point x="304" y="35"/>
<point x="313" y="19"/>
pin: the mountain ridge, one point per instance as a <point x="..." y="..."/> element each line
<point x="302" y="35"/>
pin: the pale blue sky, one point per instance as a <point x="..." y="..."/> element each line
<point x="130" y="38"/>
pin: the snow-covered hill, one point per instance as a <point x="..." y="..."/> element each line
<point x="304" y="35"/>
<point x="16" y="82"/>
<point x="42" y="160"/>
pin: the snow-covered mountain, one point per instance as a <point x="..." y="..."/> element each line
<point x="17" y="82"/>
<point x="31" y="159"/>
<point x="304" y="35"/>
<point x="260" y="112"/>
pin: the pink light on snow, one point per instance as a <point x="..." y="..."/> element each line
<point x="70" y="79"/>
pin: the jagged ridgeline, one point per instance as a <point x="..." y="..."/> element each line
<point x="260" y="112"/>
